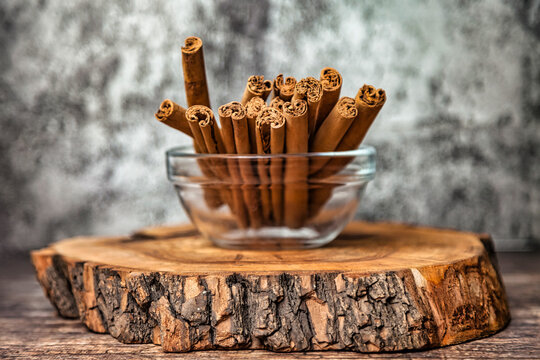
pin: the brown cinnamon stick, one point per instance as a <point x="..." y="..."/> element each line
<point x="270" y="132"/>
<point x="173" y="115"/>
<point x="331" y="82"/>
<point x="284" y="89"/>
<point x="253" y="109"/>
<point x="209" y="129"/>
<point x="212" y="195"/>
<point x="207" y="139"/>
<point x="198" y="139"/>
<point x="226" y="113"/>
<point x="194" y="72"/>
<point x="309" y="89"/>
<point x="332" y="130"/>
<point x="296" y="169"/>
<point x="240" y="127"/>
<point x="268" y="86"/>
<point x="256" y="87"/>
<point x="248" y="174"/>
<point x="287" y="90"/>
<point x="368" y="102"/>
<point x="227" y="133"/>
<point x="278" y="84"/>
<point x="277" y="146"/>
<point x="277" y="103"/>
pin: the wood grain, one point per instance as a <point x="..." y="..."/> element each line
<point x="379" y="287"/>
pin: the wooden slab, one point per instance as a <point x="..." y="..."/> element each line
<point x="378" y="287"/>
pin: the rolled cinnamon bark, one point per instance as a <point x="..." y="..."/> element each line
<point x="238" y="116"/>
<point x="212" y="196"/>
<point x="256" y="86"/>
<point x="207" y="136"/>
<point x="287" y="89"/>
<point x="212" y="139"/>
<point x="226" y="113"/>
<point x="227" y="133"/>
<point x="368" y="102"/>
<point x="253" y="109"/>
<point x="309" y="89"/>
<point x="194" y="72"/>
<point x="268" y="86"/>
<point x="277" y="103"/>
<point x="331" y="82"/>
<point x="208" y="140"/>
<point x="269" y="132"/>
<point x="278" y="84"/>
<point x="277" y="146"/>
<point x="332" y="130"/>
<point x="296" y="169"/>
<point x="208" y="127"/>
<point x="193" y="122"/>
<point x="173" y="115"/>
<point x="247" y="170"/>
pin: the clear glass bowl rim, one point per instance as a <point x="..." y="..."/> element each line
<point x="186" y="151"/>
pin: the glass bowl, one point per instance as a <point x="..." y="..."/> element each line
<point x="279" y="201"/>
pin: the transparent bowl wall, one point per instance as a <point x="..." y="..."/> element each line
<point x="271" y="201"/>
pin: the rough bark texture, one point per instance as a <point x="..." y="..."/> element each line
<point x="245" y="301"/>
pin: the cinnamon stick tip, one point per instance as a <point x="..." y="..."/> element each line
<point x="371" y="96"/>
<point x="200" y="113"/>
<point x="191" y="45"/>
<point x="268" y="84"/>
<point x="165" y="110"/>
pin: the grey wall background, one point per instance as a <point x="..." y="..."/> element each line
<point x="80" y="153"/>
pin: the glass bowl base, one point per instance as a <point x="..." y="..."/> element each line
<point x="273" y="238"/>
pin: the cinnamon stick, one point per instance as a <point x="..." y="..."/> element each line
<point x="212" y="195"/>
<point x="332" y="130"/>
<point x="278" y="84"/>
<point x="256" y="86"/>
<point x="331" y="82"/>
<point x="270" y="131"/>
<point x="268" y="86"/>
<point x="253" y="108"/>
<point x="250" y="181"/>
<point x="207" y="139"/>
<point x="193" y="122"/>
<point x="284" y="89"/>
<point x="194" y="72"/>
<point x="226" y="113"/>
<point x="296" y="169"/>
<point x="287" y="89"/>
<point x="227" y="133"/>
<point x="277" y="146"/>
<point x="173" y="115"/>
<point x="368" y="102"/>
<point x="209" y="128"/>
<point x="277" y="103"/>
<point x="212" y="139"/>
<point x="309" y="89"/>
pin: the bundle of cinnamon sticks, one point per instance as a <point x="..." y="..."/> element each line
<point x="279" y="116"/>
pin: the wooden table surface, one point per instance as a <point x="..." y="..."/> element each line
<point x="30" y="327"/>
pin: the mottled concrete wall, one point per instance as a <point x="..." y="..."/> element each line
<point x="458" y="139"/>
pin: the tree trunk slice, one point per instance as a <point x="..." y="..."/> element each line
<point x="378" y="287"/>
